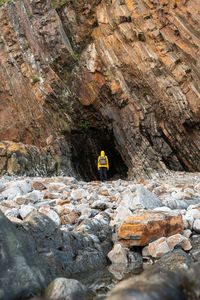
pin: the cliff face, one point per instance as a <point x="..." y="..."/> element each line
<point x="126" y="68"/>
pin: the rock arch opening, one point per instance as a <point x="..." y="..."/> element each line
<point x="86" y="146"/>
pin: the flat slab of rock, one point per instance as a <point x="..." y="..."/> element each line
<point x="147" y="226"/>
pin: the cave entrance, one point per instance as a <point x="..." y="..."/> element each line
<point x="86" y="147"/>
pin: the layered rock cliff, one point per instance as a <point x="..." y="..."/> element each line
<point x="122" y="75"/>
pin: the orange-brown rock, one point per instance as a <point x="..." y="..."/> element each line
<point x="179" y="239"/>
<point x="145" y="227"/>
<point x="9" y="203"/>
<point x="65" y="193"/>
<point x="48" y="195"/>
<point x="70" y="218"/>
<point x="62" y="202"/>
<point x="112" y="198"/>
<point x="130" y="67"/>
<point x="36" y="185"/>
<point x="147" y="52"/>
<point x="62" y="210"/>
<point x="104" y="193"/>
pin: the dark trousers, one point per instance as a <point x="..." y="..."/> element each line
<point x="103" y="173"/>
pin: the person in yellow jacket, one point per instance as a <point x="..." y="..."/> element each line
<point x="103" y="166"/>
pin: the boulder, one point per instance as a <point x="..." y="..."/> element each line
<point x="48" y="195"/>
<point x="164" y="245"/>
<point x="188" y="221"/>
<point x="179" y="239"/>
<point x="9" y="204"/>
<point x="99" y="205"/>
<point x="195" y="251"/>
<point x="14" y="219"/>
<point x="195" y="213"/>
<point x="41" y="223"/>
<point x="13" y="212"/>
<point x="25" y="210"/>
<point x="158" y="248"/>
<point x="121" y="214"/>
<point x="187" y="233"/>
<point x="145" y="227"/>
<point x="175" y="261"/>
<point x="22" y="272"/>
<point x="118" y="255"/>
<point x="51" y="214"/>
<point x="37" y="185"/>
<point x="56" y="187"/>
<point x="66" y="289"/>
<point x="33" y="196"/>
<point x="135" y="266"/>
<point x="149" y="286"/>
<point x="79" y="194"/>
<point x="139" y="197"/>
<point x="11" y="192"/>
<point x="192" y="282"/>
<point x="21" y="200"/>
<point x="17" y="188"/>
<point x="62" y="202"/>
<point x="70" y="218"/>
<point x="196" y="225"/>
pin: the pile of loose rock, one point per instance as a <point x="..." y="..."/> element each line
<point x="69" y="227"/>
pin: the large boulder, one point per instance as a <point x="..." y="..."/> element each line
<point x="147" y="226"/>
<point x="149" y="286"/>
<point x="69" y="252"/>
<point x="22" y="272"/>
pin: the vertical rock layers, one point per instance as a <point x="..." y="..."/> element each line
<point x="131" y="64"/>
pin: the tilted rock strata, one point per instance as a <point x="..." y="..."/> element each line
<point x="147" y="81"/>
<point x="140" y="72"/>
<point x="29" y="160"/>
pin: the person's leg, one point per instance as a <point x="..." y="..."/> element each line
<point x="101" y="174"/>
<point x="105" y="173"/>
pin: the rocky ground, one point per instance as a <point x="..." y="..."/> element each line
<point x="62" y="228"/>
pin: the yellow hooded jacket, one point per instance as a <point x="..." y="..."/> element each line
<point x="105" y="166"/>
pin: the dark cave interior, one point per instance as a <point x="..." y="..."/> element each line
<point x="86" y="147"/>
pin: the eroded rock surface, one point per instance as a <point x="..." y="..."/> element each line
<point x="143" y="227"/>
<point x="130" y="67"/>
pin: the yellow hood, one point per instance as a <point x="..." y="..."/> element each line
<point x="102" y="153"/>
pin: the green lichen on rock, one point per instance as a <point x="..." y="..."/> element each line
<point x="2" y="2"/>
<point x="36" y="79"/>
<point x="85" y="125"/>
<point x="59" y="3"/>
